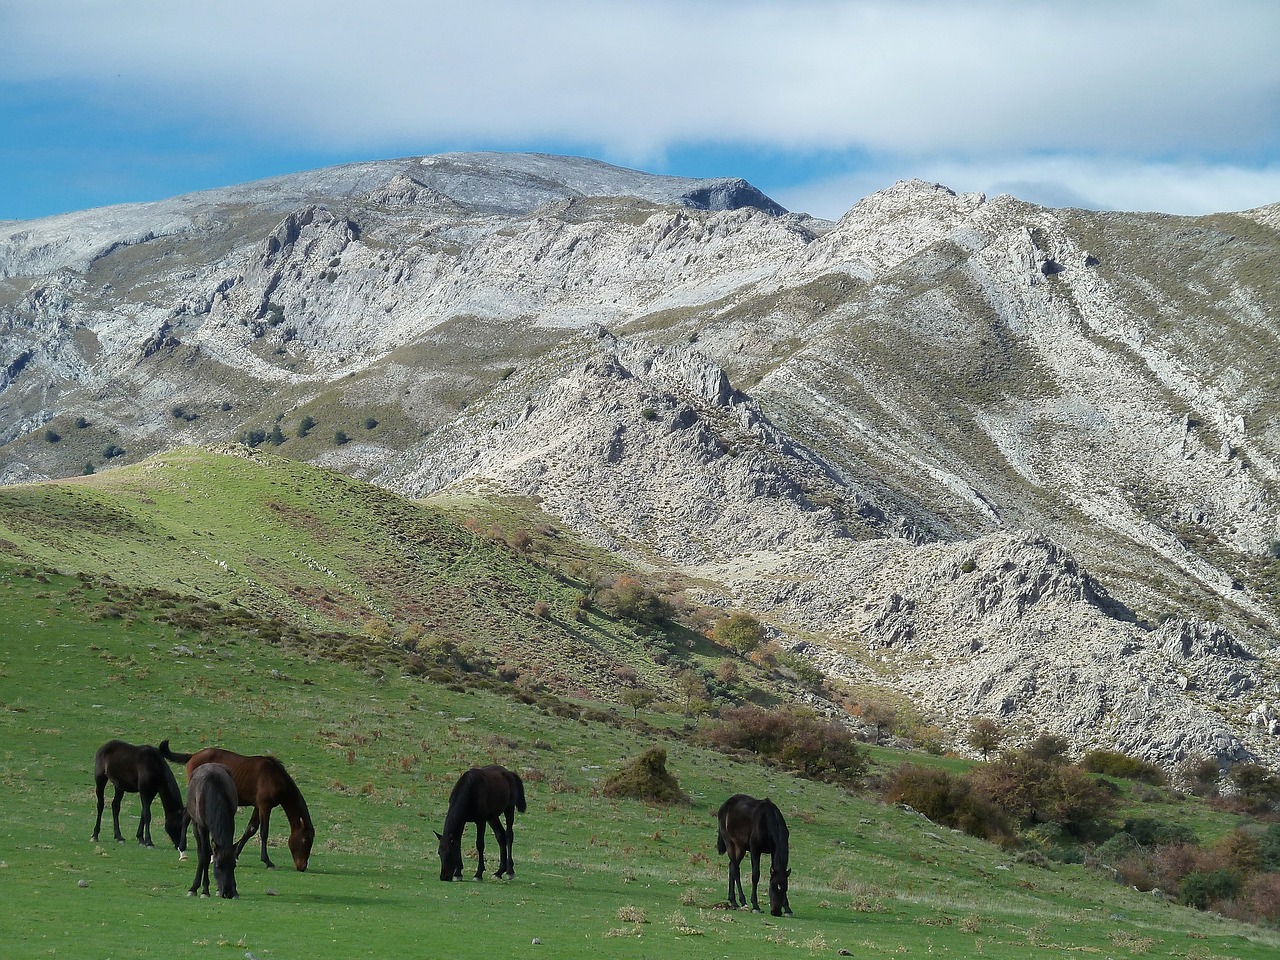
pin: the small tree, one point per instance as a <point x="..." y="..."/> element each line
<point x="51" y="435"/>
<point x="305" y="425"/>
<point x="879" y="715"/>
<point x="637" y="698"/>
<point x="340" y="437"/>
<point x="985" y="735"/>
<point x="276" y="437"/>
<point x="691" y="687"/>
<point x="739" y="632"/>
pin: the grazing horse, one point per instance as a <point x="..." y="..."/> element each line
<point x="480" y="796"/>
<point x="211" y="805"/>
<point x="261" y="783"/>
<point x="140" y="770"/>
<point x="748" y="825"/>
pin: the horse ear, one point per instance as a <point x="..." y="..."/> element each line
<point x="438" y="837"/>
<point x="788" y="871"/>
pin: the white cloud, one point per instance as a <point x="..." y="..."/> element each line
<point x="919" y="75"/>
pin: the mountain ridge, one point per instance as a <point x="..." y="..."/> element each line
<point x="793" y="410"/>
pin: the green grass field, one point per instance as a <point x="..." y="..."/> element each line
<point x="375" y="757"/>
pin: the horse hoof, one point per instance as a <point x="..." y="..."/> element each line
<point x="755" y="910"/>
<point x="191" y="893"/>
<point x="182" y="855"/>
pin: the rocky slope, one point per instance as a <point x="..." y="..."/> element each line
<point x="1010" y="461"/>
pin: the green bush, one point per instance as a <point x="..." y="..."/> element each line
<point x="51" y="435"/>
<point x="1200" y="890"/>
<point x="1115" y="764"/>
<point x="340" y="437"/>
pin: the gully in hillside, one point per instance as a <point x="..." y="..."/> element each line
<point x="261" y="783"/>
<point x="481" y="796"/>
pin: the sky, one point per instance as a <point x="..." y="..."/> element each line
<point x="1167" y="105"/>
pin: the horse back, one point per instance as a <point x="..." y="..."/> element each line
<point x="259" y="780"/>
<point x="212" y="800"/>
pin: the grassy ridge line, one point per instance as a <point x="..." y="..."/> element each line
<point x="313" y="547"/>
<point x="376" y="758"/>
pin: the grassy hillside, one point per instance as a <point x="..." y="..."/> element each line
<point x="283" y="539"/>
<point x="376" y="755"/>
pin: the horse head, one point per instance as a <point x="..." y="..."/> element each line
<point x="224" y="872"/>
<point x="450" y="850"/>
<point x="300" y="841"/>
<point x="175" y="825"/>
<point x="778" y="904"/>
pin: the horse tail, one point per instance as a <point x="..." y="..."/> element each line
<point x="171" y="756"/>
<point x="720" y="845"/>
<point x="519" y="787"/>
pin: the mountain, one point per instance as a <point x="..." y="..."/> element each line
<point x="1005" y="460"/>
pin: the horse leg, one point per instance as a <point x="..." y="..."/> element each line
<point x="503" y="850"/>
<point x="755" y="880"/>
<point x="510" y="841"/>
<point x="100" y="787"/>
<point x="144" y="821"/>
<point x="255" y="822"/>
<point x="203" y="856"/>
<point x="265" y="821"/>
<point x="736" y="897"/>
<point x="479" y="849"/>
<point x="115" y="812"/>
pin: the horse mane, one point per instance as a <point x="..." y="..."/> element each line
<point x="170" y="795"/>
<point x="777" y="828"/>
<point x="292" y="801"/>
<point x="459" y="801"/>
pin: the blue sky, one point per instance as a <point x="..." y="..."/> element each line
<point x="1167" y="105"/>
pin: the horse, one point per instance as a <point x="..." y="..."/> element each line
<point x="140" y="770"/>
<point x="211" y="805"/>
<point x="261" y="783"/>
<point x="480" y="796"/>
<point x="748" y="825"/>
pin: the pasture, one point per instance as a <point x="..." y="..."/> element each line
<point x="376" y="757"/>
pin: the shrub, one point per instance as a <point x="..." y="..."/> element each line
<point x="815" y="748"/>
<point x="1199" y="890"/>
<point x="370" y="423"/>
<point x="305" y="426"/>
<point x="627" y="597"/>
<point x="739" y="632"/>
<point x="88" y="469"/>
<point x="1150" y="832"/>
<point x="1256" y="785"/>
<point x="112" y="451"/>
<point x="51" y="435"/>
<point x="945" y="799"/>
<point x="1033" y="790"/>
<point x="81" y="423"/>
<point x="646" y="778"/>
<point x="1115" y="764"/>
<point x="1049" y="747"/>
<point x="340" y="437"/>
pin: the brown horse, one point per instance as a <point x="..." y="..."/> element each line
<point x="261" y="783"/>
<point x="748" y="825"/>
<point x="140" y="770"/>
<point x="480" y="796"/>
<point x="211" y="805"/>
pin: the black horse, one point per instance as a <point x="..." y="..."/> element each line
<point x="748" y="825"/>
<point x="141" y="770"/>
<point x="480" y="796"/>
<point x="211" y="805"/>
